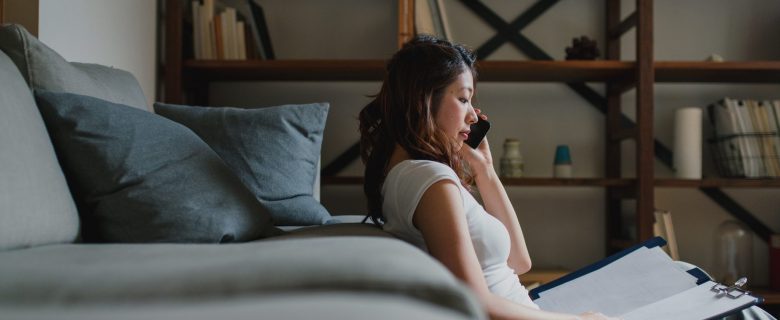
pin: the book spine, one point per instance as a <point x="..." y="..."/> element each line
<point x="209" y="43"/>
<point x="774" y="262"/>
<point x="233" y="34"/>
<point x="241" y="40"/>
<point x="219" y="36"/>
<point x="196" y="31"/>
<point x="445" y="22"/>
<point x="261" y="27"/>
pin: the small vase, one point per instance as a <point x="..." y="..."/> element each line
<point x="733" y="252"/>
<point x="512" y="159"/>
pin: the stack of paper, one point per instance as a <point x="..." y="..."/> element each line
<point x="640" y="283"/>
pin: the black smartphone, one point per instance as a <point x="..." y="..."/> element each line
<point x="478" y="132"/>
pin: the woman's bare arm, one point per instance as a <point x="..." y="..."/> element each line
<point x="440" y="217"/>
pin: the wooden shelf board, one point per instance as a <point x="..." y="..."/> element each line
<point x="286" y="70"/>
<point x="496" y="71"/>
<point x="718" y="183"/>
<point x="720" y="72"/>
<point x="555" y="71"/>
<point x="373" y="70"/>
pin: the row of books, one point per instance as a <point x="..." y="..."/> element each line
<point x="746" y="142"/>
<point x="230" y="30"/>
<point x="430" y="17"/>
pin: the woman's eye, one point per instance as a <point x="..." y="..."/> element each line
<point x="463" y="100"/>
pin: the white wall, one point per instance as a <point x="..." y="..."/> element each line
<point x="118" y="33"/>
<point x="564" y="226"/>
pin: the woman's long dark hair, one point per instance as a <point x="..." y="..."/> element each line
<point x="403" y="112"/>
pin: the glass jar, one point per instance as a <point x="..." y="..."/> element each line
<point x="512" y="159"/>
<point x="733" y="252"/>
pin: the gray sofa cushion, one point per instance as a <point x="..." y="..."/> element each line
<point x="139" y="177"/>
<point x="274" y="151"/>
<point x="36" y="206"/>
<point x="44" y="69"/>
<point x="132" y="273"/>
<point x="322" y="305"/>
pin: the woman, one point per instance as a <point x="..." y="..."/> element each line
<point x="419" y="172"/>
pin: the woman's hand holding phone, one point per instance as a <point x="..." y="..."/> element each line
<point x="478" y="158"/>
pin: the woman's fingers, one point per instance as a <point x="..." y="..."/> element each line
<point x="480" y="114"/>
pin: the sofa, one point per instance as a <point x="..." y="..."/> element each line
<point x="50" y="268"/>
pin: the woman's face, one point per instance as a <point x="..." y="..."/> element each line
<point x="455" y="113"/>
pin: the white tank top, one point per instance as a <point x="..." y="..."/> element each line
<point x="402" y="190"/>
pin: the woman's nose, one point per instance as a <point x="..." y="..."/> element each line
<point x="471" y="117"/>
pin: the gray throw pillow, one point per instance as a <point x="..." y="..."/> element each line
<point x="139" y="177"/>
<point x="45" y="69"/>
<point x="273" y="150"/>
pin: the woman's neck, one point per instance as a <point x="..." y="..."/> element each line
<point x="398" y="156"/>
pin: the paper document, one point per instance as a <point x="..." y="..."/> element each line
<point x="640" y="283"/>
<point x="694" y="303"/>
<point x="641" y="277"/>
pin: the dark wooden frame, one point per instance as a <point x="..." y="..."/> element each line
<point x="186" y="81"/>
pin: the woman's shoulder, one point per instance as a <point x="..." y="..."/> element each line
<point x="421" y="168"/>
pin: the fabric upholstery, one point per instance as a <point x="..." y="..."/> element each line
<point x="139" y="177"/>
<point x="45" y="69"/>
<point x="274" y="151"/>
<point x="321" y="305"/>
<point x="36" y="206"/>
<point x="109" y="273"/>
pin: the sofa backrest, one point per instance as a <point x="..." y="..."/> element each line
<point x="36" y="206"/>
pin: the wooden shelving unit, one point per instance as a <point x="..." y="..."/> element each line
<point x="497" y="71"/>
<point x="186" y="82"/>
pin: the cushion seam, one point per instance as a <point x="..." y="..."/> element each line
<point x="26" y="54"/>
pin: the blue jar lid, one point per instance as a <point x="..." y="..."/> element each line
<point x="562" y="155"/>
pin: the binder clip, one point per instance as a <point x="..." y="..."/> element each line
<point x="735" y="291"/>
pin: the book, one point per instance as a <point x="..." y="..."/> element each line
<point x="208" y="41"/>
<point x="261" y="29"/>
<point x="445" y="22"/>
<point x="219" y="36"/>
<point x="643" y="282"/>
<point x="438" y="27"/>
<point x="770" y="156"/>
<point x="665" y="229"/>
<point x="197" y="49"/>
<point x="755" y="121"/>
<point x="750" y="148"/>
<point x="723" y="122"/>
<point x="744" y="165"/>
<point x="429" y="18"/>
<point x="774" y="261"/>
<point x="423" y="19"/>
<point x="219" y="29"/>
<point x="773" y="111"/>
<point x="240" y="40"/>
